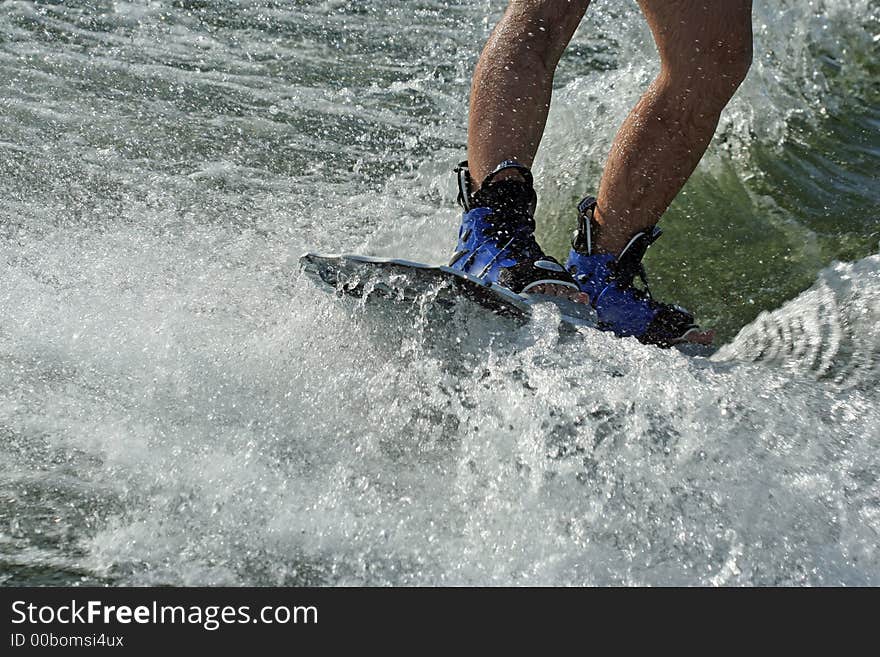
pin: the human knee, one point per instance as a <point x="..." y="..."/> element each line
<point x="544" y="27"/>
<point x="728" y="60"/>
<point x="712" y="68"/>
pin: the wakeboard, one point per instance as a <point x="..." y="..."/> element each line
<point x="403" y="280"/>
<point x="416" y="283"/>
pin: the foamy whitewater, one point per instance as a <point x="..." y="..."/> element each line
<point x="180" y="405"/>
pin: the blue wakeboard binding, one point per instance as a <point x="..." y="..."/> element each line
<point x="622" y="307"/>
<point x="496" y="240"/>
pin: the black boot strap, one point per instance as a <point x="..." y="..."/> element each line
<point x="466" y="183"/>
<point x="629" y="262"/>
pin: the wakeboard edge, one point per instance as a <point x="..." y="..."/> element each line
<point x="344" y="272"/>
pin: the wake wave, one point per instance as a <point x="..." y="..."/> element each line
<point x="830" y="332"/>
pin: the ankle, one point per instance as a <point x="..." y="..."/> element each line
<point x="607" y="237"/>
<point x="510" y="173"/>
<point x="509" y="197"/>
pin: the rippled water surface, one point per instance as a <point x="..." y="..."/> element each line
<point x="179" y="405"/>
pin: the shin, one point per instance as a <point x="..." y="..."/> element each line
<point x="705" y="49"/>
<point x="513" y="81"/>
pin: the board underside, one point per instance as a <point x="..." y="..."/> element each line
<point x="363" y="276"/>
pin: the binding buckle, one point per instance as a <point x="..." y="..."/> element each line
<point x="582" y="240"/>
<point x="465" y="185"/>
